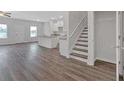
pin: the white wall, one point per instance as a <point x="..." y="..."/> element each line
<point x="42" y="16"/>
<point x="19" y="30"/>
<point x="37" y="15"/>
<point x="46" y="29"/>
<point x="91" y="50"/>
<point x="105" y="36"/>
<point x="74" y="18"/>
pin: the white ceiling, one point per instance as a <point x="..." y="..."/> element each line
<point x="37" y="15"/>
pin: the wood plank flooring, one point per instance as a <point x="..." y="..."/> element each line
<point x="30" y="62"/>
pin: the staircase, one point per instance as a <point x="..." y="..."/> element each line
<point x="80" y="50"/>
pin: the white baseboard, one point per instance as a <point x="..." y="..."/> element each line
<point x="17" y="43"/>
<point x="106" y="60"/>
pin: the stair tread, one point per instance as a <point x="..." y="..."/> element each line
<point x="81" y="45"/>
<point x="85" y="27"/>
<point x="82" y="50"/>
<point x="84" y="33"/>
<point x="83" y="36"/>
<point x="79" y="55"/>
<point x="85" y="30"/>
<point x="78" y="58"/>
<point x="82" y="40"/>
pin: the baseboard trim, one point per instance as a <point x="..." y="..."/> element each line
<point x="18" y="43"/>
<point x="106" y="60"/>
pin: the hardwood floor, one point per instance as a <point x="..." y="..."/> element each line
<point x="30" y="62"/>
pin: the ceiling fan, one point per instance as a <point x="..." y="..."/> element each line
<point x="7" y="14"/>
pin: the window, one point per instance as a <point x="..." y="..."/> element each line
<point x="3" y="31"/>
<point x="33" y="31"/>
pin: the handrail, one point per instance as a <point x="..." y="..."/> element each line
<point x="83" y="20"/>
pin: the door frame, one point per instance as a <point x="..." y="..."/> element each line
<point x="119" y="22"/>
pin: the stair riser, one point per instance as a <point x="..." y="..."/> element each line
<point x="79" y="52"/>
<point x="78" y="58"/>
<point x="84" y="35"/>
<point x="83" y="39"/>
<point x="85" y="30"/>
<point x="80" y="38"/>
<point x="86" y="27"/>
<point x="84" y="43"/>
<point x="81" y="47"/>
